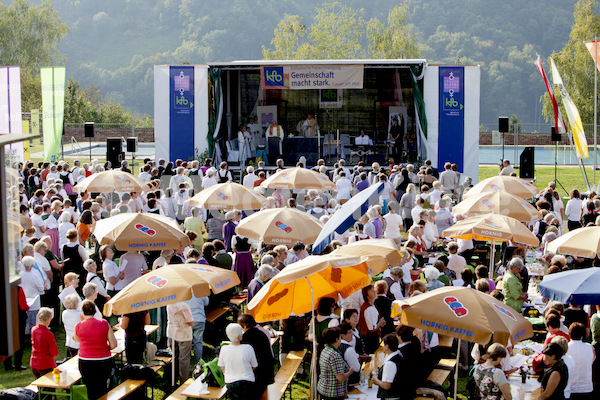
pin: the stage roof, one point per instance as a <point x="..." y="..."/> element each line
<point x="368" y="63"/>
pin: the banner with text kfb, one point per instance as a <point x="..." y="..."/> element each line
<point x="53" y="105"/>
<point x="312" y="76"/>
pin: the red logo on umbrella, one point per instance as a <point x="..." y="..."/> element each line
<point x="157" y="281"/>
<point x="145" y="229"/>
<point x="487" y="203"/>
<point x="277" y="297"/>
<point x="456" y="306"/>
<point x="222" y="195"/>
<point x="125" y="180"/>
<point x="283" y="227"/>
<point x="505" y="311"/>
<point x="336" y="275"/>
<point x="212" y="271"/>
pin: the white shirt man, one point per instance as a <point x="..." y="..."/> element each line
<point x="507" y="169"/>
<point x="449" y="179"/>
<point x="250" y="178"/>
<point x="343" y="187"/>
<point x="363" y="140"/>
<point x="209" y="179"/>
<point x="275" y="130"/>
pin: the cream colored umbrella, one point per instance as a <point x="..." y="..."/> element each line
<point x="582" y="242"/>
<point x="107" y="181"/>
<point x="228" y="196"/>
<point x="280" y="226"/>
<point x="501" y="183"/>
<point x="298" y="178"/>
<point x="378" y="248"/>
<point x="133" y="231"/>
<point x="170" y="284"/>
<point x="498" y="203"/>
<point x="492" y="227"/>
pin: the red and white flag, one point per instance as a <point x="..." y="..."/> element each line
<point x="559" y="123"/>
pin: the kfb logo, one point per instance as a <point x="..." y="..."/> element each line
<point x="273" y="76"/>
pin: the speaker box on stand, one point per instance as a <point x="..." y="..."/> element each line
<point x="114" y="151"/>
<point x="556" y="137"/>
<point x="89" y="130"/>
<point x="132" y="145"/>
<point x="527" y="162"/>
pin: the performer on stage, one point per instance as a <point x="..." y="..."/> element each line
<point x="244" y="144"/>
<point x="252" y="128"/>
<point x="275" y="136"/>
<point x="363" y="139"/>
<point x="397" y="136"/>
<point x="310" y="126"/>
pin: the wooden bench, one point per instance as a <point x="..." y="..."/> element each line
<point x="214" y="392"/>
<point x="446" y="363"/>
<point x="123" y="390"/>
<point x="438" y="376"/>
<point x="217" y="313"/>
<point x="285" y="375"/>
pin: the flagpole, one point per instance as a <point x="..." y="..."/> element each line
<point x="595" y="105"/>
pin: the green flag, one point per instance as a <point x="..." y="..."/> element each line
<point x="53" y="105"/>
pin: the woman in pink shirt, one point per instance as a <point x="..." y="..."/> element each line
<point x="43" y="344"/>
<point x="96" y="340"/>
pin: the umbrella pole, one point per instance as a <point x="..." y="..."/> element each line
<point x="456" y="369"/>
<point x="313" y="365"/>
<point x="492" y="258"/>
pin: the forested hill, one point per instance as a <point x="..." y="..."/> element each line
<point x="115" y="43"/>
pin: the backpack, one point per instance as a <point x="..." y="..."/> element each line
<point x="222" y="179"/>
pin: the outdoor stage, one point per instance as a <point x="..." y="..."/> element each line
<point x="437" y="107"/>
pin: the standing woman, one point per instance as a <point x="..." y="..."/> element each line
<point x="96" y="340"/>
<point x="43" y="344"/>
<point x="92" y="277"/>
<point x="110" y="271"/>
<point x="86" y="220"/>
<point x="556" y="377"/>
<point x="67" y="179"/>
<point x="333" y="380"/>
<point x="407" y="203"/>
<point x="74" y="255"/>
<point x="490" y="379"/>
<point x="573" y="210"/>
<point x="64" y="226"/>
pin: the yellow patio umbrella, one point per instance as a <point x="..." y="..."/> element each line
<point x="228" y="196"/>
<point x="465" y="314"/>
<point x="498" y="203"/>
<point x="373" y="248"/>
<point x="107" y="181"/>
<point x="297" y="288"/>
<point x="133" y="231"/>
<point x="582" y="242"/>
<point x="491" y="227"/>
<point x="280" y="226"/>
<point x="298" y="178"/>
<point x="501" y="183"/>
<point x="170" y="284"/>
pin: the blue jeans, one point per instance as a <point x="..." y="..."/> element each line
<point x="198" y="332"/>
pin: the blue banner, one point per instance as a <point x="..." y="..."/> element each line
<point x="451" y="140"/>
<point x="181" y="121"/>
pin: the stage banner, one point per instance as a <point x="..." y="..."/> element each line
<point x="182" y="116"/>
<point x="53" y="106"/>
<point x="451" y="140"/>
<point x="312" y="76"/>
<point x="10" y="108"/>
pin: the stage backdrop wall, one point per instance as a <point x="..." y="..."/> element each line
<point x="451" y="95"/>
<point x="180" y="111"/>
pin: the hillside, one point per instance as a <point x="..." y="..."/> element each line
<point x="115" y="43"/>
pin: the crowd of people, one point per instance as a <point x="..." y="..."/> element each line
<point x="60" y="283"/>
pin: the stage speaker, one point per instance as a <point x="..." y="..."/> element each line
<point x="503" y="124"/>
<point x="114" y="151"/>
<point x="527" y="163"/>
<point x="131" y="144"/>
<point x="556" y="137"/>
<point x="89" y="130"/>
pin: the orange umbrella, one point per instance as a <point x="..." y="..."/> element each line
<point x="298" y="178"/>
<point x="498" y="203"/>
<point x="280" y="226"/>
<point x="170" y="284"/>
<point x="133" y="231"/>
<point x="107" y="181"/>
<point x="228" y="196"/>
<point x="501" y="183"/>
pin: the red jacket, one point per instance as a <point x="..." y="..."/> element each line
<point x="43" y="348"/>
